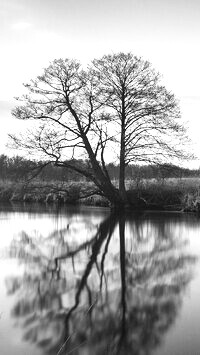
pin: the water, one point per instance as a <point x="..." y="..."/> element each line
<point x="83" y="281"/>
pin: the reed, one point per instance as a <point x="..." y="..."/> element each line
<point x="184" y="192"/>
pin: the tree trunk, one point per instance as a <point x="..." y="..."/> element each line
<point x="105" y="185"/>
<point x="122" y="188"/>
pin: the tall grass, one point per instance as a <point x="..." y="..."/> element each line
<point x="183" y="193"/>
<point x="178" y="193"/>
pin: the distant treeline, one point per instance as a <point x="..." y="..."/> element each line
<point x="18" y="168"/>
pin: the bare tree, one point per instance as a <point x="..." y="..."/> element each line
<point x="117" y="105"/>
<point x="145" y="114"/>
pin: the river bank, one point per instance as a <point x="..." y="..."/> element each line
<point x="168" y="195"/>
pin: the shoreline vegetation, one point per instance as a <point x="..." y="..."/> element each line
<point x="149" y="187"/>
<point x="171" y="194"/>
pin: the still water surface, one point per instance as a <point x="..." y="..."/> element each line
<point x="82" y="281"/>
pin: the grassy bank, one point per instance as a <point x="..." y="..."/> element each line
<point x="51" y="192"/>
<point x="169" y="194"/>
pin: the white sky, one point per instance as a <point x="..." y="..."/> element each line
<point x="165" y="32"/>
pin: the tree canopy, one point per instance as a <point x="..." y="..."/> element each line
<point x="114" y="109"/>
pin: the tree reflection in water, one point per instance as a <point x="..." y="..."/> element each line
<point x="116" y="293"/>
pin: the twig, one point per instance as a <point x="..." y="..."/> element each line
<point x="77" y="347"/>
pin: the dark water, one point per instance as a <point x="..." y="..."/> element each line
<point x="86" y="282"/>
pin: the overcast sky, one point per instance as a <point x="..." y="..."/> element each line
<point x="165" y="32"/>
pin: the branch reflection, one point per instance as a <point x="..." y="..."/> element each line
<point x="117" y="292"/>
